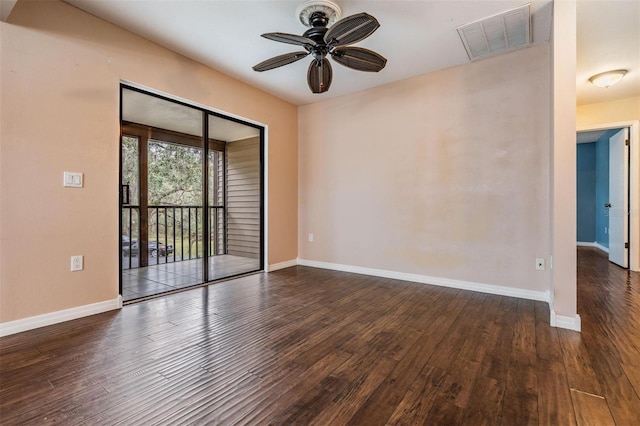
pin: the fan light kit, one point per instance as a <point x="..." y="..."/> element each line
<point x="607" y="79"/>
<point x="320" y="41"/>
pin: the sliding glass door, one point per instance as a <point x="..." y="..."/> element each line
<point x="191" y="212"/>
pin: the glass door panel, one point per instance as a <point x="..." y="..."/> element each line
<point x="164" y="220"/>
<point x="235" y="194"/>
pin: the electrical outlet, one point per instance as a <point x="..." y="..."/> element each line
<point x="76" y="263"/>
<point x="539" y="264"/>
<point x="310" y="238"/>
<point x="606" y="230"/>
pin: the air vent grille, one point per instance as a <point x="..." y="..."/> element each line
<point x="497" y="34"/>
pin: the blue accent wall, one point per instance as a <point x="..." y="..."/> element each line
<point x="586" y="182"/>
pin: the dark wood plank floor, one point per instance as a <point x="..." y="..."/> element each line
<point x="310" y="346"/>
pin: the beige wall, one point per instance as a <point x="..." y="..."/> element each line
<point x="60" y="74"/>
<point x="590" y="115"/>
<point x="444" y="175"/>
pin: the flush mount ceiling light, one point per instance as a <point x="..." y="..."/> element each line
<point x="607" y="79"/>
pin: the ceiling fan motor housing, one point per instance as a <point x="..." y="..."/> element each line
<point x="319" y="21"/>
<point x="316" y="34"/>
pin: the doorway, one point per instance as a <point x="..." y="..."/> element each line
<point x="191" y="195"/>
<point x="604" y="199"/>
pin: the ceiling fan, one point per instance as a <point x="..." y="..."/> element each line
<point x="320" y="41"/>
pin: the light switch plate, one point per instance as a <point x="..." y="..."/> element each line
<point x="73" y="179"/>
<point x="77" y="263"/>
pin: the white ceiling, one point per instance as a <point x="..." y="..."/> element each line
<point x="416" y="37"/>
<point x="590" y="136"/>
<point x="608" y="38"/>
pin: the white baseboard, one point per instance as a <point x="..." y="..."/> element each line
<point x="542" y="296"/>
<point x="561" y="321"/>
<point x="593" y="244"/>
<point x="30" y="323"/>
<point x="586" y="244"/>
<point x="282" y="265"/>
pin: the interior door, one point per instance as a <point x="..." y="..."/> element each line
<point x="619" y="198"/>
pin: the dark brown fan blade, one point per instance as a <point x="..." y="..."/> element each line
<point x="351" y="29"/>
<point x="319" y="75"/>
<point x="359" y="59"/>
<point x="278" y="61"/>
<point x="290" y="39"/>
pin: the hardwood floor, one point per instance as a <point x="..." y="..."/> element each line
<point x="310" y="346"/>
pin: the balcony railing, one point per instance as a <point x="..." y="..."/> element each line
<point x="174" y="233"/>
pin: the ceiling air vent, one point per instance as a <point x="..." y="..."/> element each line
<point x="497" y="34"/>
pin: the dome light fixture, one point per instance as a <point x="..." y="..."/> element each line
<point x="608" y="79"/>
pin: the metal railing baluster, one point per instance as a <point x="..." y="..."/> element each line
<point x="179" y="226"/>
